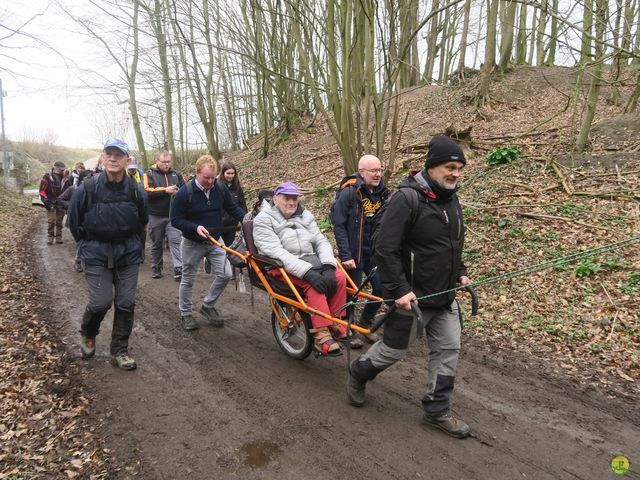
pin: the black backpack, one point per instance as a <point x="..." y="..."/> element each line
<point x="344" y="183"/>
<point x="376" y="220"/>
<point x="90" y="185"/>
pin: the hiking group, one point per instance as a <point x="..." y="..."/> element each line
<point x="408" y="244"/>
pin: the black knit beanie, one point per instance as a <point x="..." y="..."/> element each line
<point x="443" y="149"/>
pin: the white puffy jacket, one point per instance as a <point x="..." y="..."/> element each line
<point x="289" y="239"/>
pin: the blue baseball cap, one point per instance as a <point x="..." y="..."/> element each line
<point x="287" y="188"/>
<point x="119" y="144"/>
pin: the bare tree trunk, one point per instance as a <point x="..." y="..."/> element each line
<point x="541" y="34"/>
<point x="553" y="40"/>
<point x="506" y="40"/>
<point x="587" y="27"/>
<point x="432" y="44"/>
<point x="133" y="71"/>
<point x="596" y="79"/>
<point x="521" y="42"/>
<point x="444" y="28"/>
<point x="161" y="39"/>
<point x="489" y="52"/>
<point x="463" y="39"/>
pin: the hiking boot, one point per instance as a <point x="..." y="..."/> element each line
<point x="212" y="316"/>
<point x="357" y="341"/>
<point x="123" y="361"/>
<point x="207" y="266"/>
<point x="356" y="391"/>
<point x="188" y="323"/>
<point x="78" y="266"/>
<point x="446" y="422"/>
<point x="156" y="272"/>
<point x="87" y="347"/>
<point x="50" y="241"/>
<point x="177" y="273"/>
<point x="371" y="338"/>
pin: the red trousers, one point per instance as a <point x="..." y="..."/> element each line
<point x="319" y="301"/>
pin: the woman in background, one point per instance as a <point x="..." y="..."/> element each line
<point x="229" y="177"/>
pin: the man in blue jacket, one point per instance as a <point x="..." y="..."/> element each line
<point x="359" y="199"/>
<point x="197" y="212"/>
<point x="107" y="215"/>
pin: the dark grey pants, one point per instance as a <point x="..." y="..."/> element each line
<point x="442" y="326"/>
<point x="109" y="286"/>
<point x="159" y="227"/>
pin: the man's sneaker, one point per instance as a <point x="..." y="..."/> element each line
<point x="88" y="347"/>
<point x="188" y="323"/>
<point x="78" y="266"/>
<point x="207" y="266"/>
<point x="356" y="391"/>
<point x="446" y="422"/>
<point x="212" y="316"/>
<point x="177" y="273"/>
<point x="156" y="272"/>
<point x="50" y="241"/>
<point x="123" y="361"/>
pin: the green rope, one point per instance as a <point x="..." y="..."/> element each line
<point x="557" y="262"/>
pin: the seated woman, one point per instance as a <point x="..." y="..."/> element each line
<point x="288" y="232"/>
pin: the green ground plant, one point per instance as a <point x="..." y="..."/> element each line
<point x="503" y="155"/>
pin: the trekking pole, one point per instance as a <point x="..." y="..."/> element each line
<point x="366" y="280"/>
<point x="474" y="299"/>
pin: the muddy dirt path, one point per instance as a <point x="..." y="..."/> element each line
<point x="226" y="403"/>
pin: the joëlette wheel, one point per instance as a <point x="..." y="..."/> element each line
<point x="294" y="340"/>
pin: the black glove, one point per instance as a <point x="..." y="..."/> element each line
<point x="48" y="205"/>
<point x="316" y="280"/>
<point x="329" y="277"/>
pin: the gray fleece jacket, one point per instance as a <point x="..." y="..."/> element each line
<point x="290" y="239"/>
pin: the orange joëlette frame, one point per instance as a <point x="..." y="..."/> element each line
<point x="298" y="302"/>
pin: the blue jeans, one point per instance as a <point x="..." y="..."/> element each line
<point x="365" y="266"/>
<point x="192" y="255"/>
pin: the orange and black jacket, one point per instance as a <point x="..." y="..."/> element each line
<point x="52" y="186"/>
<point x="155" y="183"/>
<point x="351" y="216"/>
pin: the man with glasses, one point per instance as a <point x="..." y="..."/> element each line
<point x="359" y="197"/>
<point x="161" y="182"/>
<point x="197" y="212"/>
<point x="107" y="215"/>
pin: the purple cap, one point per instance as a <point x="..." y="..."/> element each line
<point x="287" y="188"/>
<point x="119" y="144"/>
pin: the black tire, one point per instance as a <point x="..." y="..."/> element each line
<point x="296" y="342"/>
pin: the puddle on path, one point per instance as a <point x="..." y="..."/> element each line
<point x="258" y="454"/>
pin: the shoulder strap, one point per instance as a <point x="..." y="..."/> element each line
<point x="413" y="200"/>
<point x="133" y="190"/>
<point x="189" y="186"/>
<point x="88" y="189"/>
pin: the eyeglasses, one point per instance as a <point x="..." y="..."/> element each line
<point x="166" y="162"/>
<point x="372" y="170"/>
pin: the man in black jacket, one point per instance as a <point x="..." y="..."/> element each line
<point x="161" y="182"/>
<point x="107" y="215"/>
<point x="419" y="254"/>
<point x="359" y="199"/>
